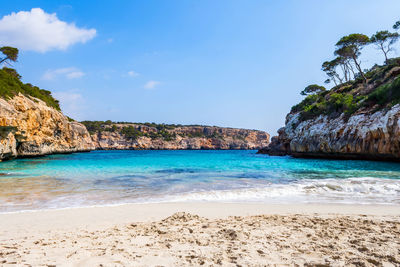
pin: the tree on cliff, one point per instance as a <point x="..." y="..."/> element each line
<point x="313" y="89"/>
<point x="350" y="46"/>
<point x="384" y="40"/>
<point x="396" y="26"/>
<point x="344" y="61"/>
<point x="329" y="67"/>
<point x="11" y="54"/>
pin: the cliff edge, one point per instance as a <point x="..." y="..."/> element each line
<point x="31" y="122"/>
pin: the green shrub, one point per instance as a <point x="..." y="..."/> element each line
<point x="167" y="136"/>
<point x="385" y="94"/>
<point x="131" y="132"/>
<point x="333" y="105"/>
<point x="11" y="85"/>
<point x="340" y="102"/>
<point x="393" y="62"/>
<point x="309" y="100"/>
<point x="93" y="126"/>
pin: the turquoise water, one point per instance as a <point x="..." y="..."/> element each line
<point x="114" y="177"/>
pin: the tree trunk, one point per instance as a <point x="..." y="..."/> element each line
<point x="344" y="70"/>
<point x="360" y="70"/>
<point x="4" y="59"/>
<point x="334" y="80"/>
<point x="384" y="52"/>
<point x="351" y="69"/>
<point x="338" y="77"/>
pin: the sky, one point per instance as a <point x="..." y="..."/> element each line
<point x="232" y="63"/>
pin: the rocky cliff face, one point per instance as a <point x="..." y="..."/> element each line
<point x="180" y="137"/>
<point x="29" y="127"/>
<point x="373" y="136"/>
<point x="370" y="130"/>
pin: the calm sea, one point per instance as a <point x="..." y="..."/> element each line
<point x="115" y="177"/>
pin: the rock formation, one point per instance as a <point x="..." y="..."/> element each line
<point x="369" y="129"/>
<point x="29" y="127"/>
<point x="140" y="136"/>
<point x="373" y="136"/>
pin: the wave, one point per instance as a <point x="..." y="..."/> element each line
<point x="364" y="190"/>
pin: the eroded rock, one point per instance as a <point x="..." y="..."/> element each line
<point x="28" y="127"/>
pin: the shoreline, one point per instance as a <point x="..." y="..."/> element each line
<point x="49" y="219"/>
<point x="268" y="205"/>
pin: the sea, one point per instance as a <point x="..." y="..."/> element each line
<point x="102" y="178"/>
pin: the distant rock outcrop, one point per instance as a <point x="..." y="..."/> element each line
<point x="160" y="136"/>
<point x="29" y="127"/>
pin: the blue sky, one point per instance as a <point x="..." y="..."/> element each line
<point x="226" y="63"/>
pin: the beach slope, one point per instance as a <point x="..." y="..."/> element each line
<point x="188" y="234"/>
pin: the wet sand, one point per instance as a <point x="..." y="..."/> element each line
<point x="191" y="234"/>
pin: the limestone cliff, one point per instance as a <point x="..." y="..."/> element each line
<point x="29" y="127"/>
<point x="161" y="136"/>
<point x="373" y="136"/>
<point x="365" y="125"/>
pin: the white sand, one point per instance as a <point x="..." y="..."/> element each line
<point x="133" y="234"/>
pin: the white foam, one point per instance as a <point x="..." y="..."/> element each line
<point x="364" y="190"/>
<point x="352" y="190"/>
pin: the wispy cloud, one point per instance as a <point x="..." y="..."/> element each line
<point x="39" y="31"/>
<point x="151" y="84"/>
<point x="132" y="73"/>
<point x="69" y="73"/>
<point x="67" y="97"/>
<point x="71" y="102"/>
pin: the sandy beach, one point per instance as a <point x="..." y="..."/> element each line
<point x="208" y="234"/>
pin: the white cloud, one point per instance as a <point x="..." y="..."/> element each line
<point x="75" y="74"/>
<point x="151" y="84"/>
<point x="133" y="73"/>
<point x="39" y="31"/>
<point x="69" y="73"/>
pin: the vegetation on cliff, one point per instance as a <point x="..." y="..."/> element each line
<point x="152" y="130"/>
<point x="11" y="84"/>
<point x="96" y="126"/>
<point x="355" y="90"/>
<point x="123" y="135"/>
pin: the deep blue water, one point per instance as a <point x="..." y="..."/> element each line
<point x="113" y="177"/>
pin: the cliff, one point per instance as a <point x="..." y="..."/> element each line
<point x="108" y="135"/>
<point x="29" y="127"/>
<point x="31" y="122"/>
<point x="355" y="120"/>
